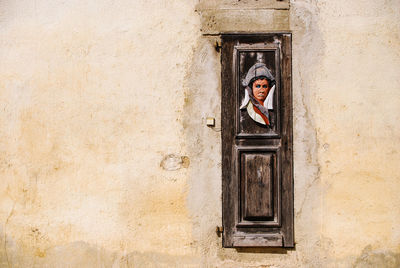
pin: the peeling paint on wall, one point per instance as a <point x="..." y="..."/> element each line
<point x="174" y="162"/>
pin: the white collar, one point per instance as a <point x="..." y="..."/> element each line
<point x="268" y="103"/>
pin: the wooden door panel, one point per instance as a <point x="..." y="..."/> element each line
<point x="257" y="183"/>
<point x="244" y="56"/>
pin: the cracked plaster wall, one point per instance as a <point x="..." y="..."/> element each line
<point x="105" y="159"/>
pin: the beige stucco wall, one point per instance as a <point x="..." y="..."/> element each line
<point x="106" y="161"/>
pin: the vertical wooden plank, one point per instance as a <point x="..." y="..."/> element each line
<point x="287" y="143"/>
<point x="257" y="178"/>
<point x="229" y="188"/>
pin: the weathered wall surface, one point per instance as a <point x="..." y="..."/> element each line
<point x="105" y="159"/>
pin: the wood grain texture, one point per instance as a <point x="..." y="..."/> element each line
<point x="270" y="240"/>
<point x="229" y="188"/>
<point x="287" y="143"/>
<point x="269" y="154"/>
<point x="257" y="179"/>
<point x="257" y="165"/>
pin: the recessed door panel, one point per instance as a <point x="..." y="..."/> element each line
<point x="257" y="184"/>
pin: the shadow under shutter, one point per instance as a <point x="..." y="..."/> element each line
<point x="257" y="161"/>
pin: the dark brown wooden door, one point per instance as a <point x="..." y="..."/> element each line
<point x="257" y="165"/>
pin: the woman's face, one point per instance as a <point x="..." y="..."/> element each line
<point x="260" y="89"/>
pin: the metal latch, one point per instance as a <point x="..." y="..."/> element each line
<point x="217" y="46"/>
<point x="219" y="230"/>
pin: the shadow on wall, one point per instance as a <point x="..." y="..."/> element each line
<point x="265" y="250"/>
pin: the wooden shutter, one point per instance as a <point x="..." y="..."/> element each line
<point x="257" y="160"/>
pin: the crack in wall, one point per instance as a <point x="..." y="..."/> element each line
<point x="5" y="232"/>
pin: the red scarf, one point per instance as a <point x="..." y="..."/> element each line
<point x="260" y="113"/>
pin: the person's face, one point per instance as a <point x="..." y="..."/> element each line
<point x="260" y="89"/>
